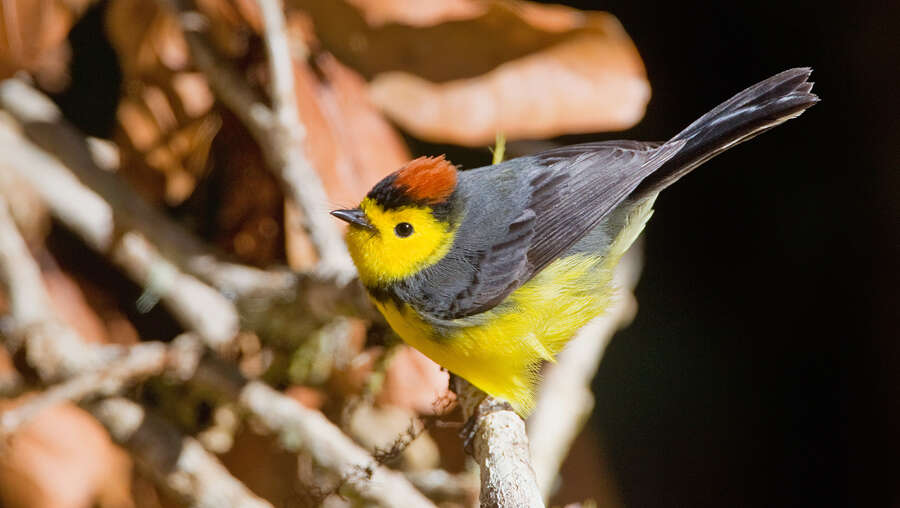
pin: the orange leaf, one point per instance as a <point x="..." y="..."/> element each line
<point x="460" y="71"/>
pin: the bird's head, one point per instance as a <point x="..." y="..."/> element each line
<point x="406" y="222"/>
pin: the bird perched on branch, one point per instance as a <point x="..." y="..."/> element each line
<point x="490" y="271"/>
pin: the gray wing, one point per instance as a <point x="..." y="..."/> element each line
<point x="523" y="214"/>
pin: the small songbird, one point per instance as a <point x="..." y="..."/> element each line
<point x="490" y="271"/>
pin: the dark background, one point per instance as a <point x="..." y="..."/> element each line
<point x="761" y="368"/>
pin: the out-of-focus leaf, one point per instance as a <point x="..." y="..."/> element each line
<point x="165" y="121"/>
<point x="416" y="12"/>
<point x="87" y="307"/>
<point x="463" y="72"/>
<point x="69" y="304"/>
<point x="379" y="428"/>
<point x="33" y="38"/>
<point x="248" y="217"/>
<point x="9" y="376"/>
<point x="170" y="130"/>
<point x="348" y="141"/>
<point x="63" y="458"/>
<point x="455" y="42"/>
<point x="413" y="381"/>
<point x="580" y="86"/>
<point x="263" y="466"/>
<point x="313" y="398"/>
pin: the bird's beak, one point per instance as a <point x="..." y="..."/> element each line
<point x="355" y="217"/>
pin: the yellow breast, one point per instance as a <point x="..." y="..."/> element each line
<point x="500" y="351"/>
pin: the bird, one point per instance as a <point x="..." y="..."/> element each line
<point x="491" y="271"/>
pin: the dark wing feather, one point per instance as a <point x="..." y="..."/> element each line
<point x="545" y="203"/>
<point x="531" y="210"/>
<point x="498" y="270"/>
<point x="578" y="191"/>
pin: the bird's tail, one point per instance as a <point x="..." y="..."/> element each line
<point x="747" y="114"/>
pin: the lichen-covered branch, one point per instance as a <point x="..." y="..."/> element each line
<point x="497" y="441"/>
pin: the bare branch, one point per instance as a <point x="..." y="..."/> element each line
<point x="94" y="203"/>
<point x="309" y="431"/>
<point x="139" y="362"/>
<point x="56" y="347"/>
<point x="497" y="441"/>
<point x="438" y="484"/>
<point x="565" y="400"/>
<point x="299" y="428"/>
<point x="95" y="220"/>
<point x="58" y="162"/>
<point x="295" y="171"/>
<point x="177" y="463"/>
<point x="278" y="131"/>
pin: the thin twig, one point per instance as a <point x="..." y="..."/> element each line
<point x="565" y="400"/>
<point x="139" y="362"/>
<point x="277" y="130"/>
<point x="95" y="204"/>
<point x="302" y="429"/>
<point x="179" y="464"/>
<point x="294" y="168"/>
<point x="497" y="441"/>
<point x="299" y="428"/>
<point x="94" y="219"/>
<point x="438" y="484"/>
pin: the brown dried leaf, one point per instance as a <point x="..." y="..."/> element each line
<point x="415" y="12"/>
<point x="169" y="129"/>
<point x="460" y="72"/>
<point x="165" y="122"/>
<point x="33" y="38"/>
<point x="261" y="464"/>
<point x="348" y="142"/>
<point x="86" y="305"/>
<point x="63" y="458"/>
<point x="312" y="398"/>
<point x="9" y="377"/>
<point x="584" y="85"/>
<point x="460" y="40"/>
<point x="414" y="381"/>
<point x="248" y="217"/>
<point x="70" y="305"/>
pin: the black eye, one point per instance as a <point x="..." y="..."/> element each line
<point x="403" y="229"/>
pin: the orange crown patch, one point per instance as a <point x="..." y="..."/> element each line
<point x="428" y="179"/>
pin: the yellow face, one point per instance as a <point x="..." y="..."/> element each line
<point x="405" y="241"/>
